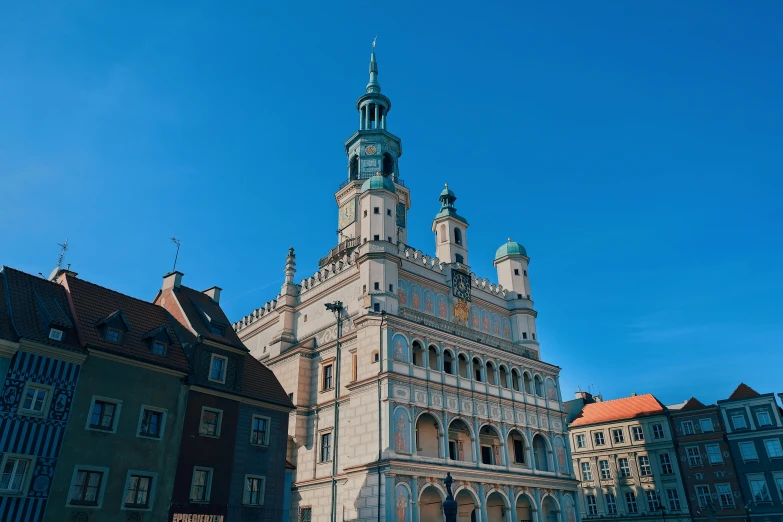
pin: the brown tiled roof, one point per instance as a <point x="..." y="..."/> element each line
<point x="200" y="309"/>
<point x="619" y="409"/>
<point x="693" y="404"/>
<point x="6" y="330"/>
<point x="35" y="305"/>
<point x="259" y="382"/>
<point x="743" y="391"/>
<point x="93" y="303"/>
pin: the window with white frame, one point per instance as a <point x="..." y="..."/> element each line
<point x="16" y="472"/>
<point x="580" y="441"/>
<point x="725" y="496"/>
<point x="763" y="418"/>
<point x="748" y="450"/>
<point x="779" y="485"/>
<point x="587" y="474"/>
<point x="624" y="467"/>
<point x="606" y="472"/>
<point x="774" y="451"/>
<point x="687" y="428"/>
<point x="630" y="502"/>
<point x="703" y="495"/>
<point x="638" y="433"/>
<point x="598" y="437"/>
<point x="674" y="499"/>
<point x="618" y="436"/>
<point x="592" y="506"/>
<point x="326" y="447"/>
<point x="738" y="421"/>
<point x="104" y="414"/>
<point x="758" y="488"/>
<point x="259" y="430"/>
<point x="139" y="487"/>
<point x="706" y="425"/>
<point x="326" y="382"/>
<point x="694" y="456"/>
<point x="87" y="486"/>
<point x="35" y="399"/>
<point x="201" y="484"/>
<point x="657" y="429"/>
<point x="611" y="504"/>
<point x="653" y="502"/>
<point x="211" y="419"/>
<point x="645" y="470"/>
<point x="152" y="422"/>
<point x="714" y="454"/>
<point x="666" y="463"/>
<point x="217" y="368"/>
<point x="254" y="490"/>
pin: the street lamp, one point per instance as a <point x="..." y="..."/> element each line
<point x="336" y="308"/>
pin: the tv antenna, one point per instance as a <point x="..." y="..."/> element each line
<point x="178" y="243"/>
<point x="63" y="250"/>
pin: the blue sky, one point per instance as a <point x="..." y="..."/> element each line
<point x="634" y="149"/>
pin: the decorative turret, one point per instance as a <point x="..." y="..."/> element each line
<point x="451" y="243"/>
<point x="377" y="207"/>
<point x="290" y="266"/>
<point x="511" y="262"/>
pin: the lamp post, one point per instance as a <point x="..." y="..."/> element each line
<point x="336" y="308"/>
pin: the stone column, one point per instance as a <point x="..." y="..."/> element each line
<point x="482" y="502"/>
<point x="377" y="117"/>
<point x="414" y="500"/>
<point x="537" y="497"/>
<point x="389" y="501"/>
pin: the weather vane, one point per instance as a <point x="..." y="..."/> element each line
<point x="374" y="40"/>
<point x="176" y="242"/>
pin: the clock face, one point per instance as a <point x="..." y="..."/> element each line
<point x="460" y="285"/>
<point x="347" y="214"/>
<point x="370" y="150"/>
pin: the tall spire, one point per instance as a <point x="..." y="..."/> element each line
<point x="373" y="86"/>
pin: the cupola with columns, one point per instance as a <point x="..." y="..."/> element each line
<point x="451" y="240"/>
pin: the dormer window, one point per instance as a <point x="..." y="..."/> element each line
<point x="158" y="348"/>
<point x="55" y="334"/>
<point x="217" y="329"/>
<point x="217" y="368"/>
<point x="113" y="335"/>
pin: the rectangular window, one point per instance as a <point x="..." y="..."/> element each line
<point x="703" y="495"/>
<point x="158" y="348"/>
<point x="657" y="430"/>
<point x="34" y="399"/>
<point x="516" y="271"/>
<point x="779" y="484"/>
<point x="666" y="463"/>
<point x="714" y="454"/>
<point x="376" y="237"/>
<point x="638" y="433"/>
<point x="598" y="437"/>
<point x="326" y="447"/>
<point x="618" y="436"/>
<point x="377" y="286"/>
<point x="606" y="472"/>
<point x="738" y="421"/>
<point x="152" y="422"/>
<point x="645" y="470"/>
<point x="376" y="210"/>
<point x="630" y="502"/>
<point x="763" y="418"/>
<point x="254" y="490"/>
<point x="376" y="307"/>
<point x="217" y="368"/>
<point x="327" y="377"/>
<point x="773" y="448"/>
<point x="486" y="455"/>
<point x="580" y="441"/>
<point x="625" y="468"/>
<point x="758" y="488"/>
<point x="217" y="329"/>
<point x="104" y="414"/>
<point x="388" y="212"/>
<point x="453" y="450"/>
<point x="137" y="495"/>
<point x="259" y="430"/>
<point x="687" y="428"/>
<point x="611" y="504"/>
<point x="592" y="507"/>
<point x="86" y="487"/>
<point x="587" y="473"/>
<point x="694" y="456"/>
<point x="706" y="425"/>
<point x="210" y="422"/>
<point x="391" y="288"/>
<point x="55" y="334"/>
<point x="674" y="500"/>
<point x="354" y="366"/>
<point x="748" y="451"/>
<point x="652" y="501"/>
<point x="725" y="497"/>
<point x="201" y="484"/>
<point x="306" y="513"/>
<point x="113" y="335"/>
<point x="15" y="473"/>
<point x="519" y="452"/>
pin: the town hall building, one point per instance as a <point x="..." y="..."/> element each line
<point x="404" y="365"/>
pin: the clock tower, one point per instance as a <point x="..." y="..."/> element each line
<point x="371" y="150"/>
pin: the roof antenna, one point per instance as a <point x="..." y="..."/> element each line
<point x="63" y="250"/>
<point x="178" y="243"/>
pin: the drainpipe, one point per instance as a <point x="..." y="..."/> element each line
<point x="337" y="308"/>
<point x="380" y="413"/>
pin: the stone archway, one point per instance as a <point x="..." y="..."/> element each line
<point x="525" y="508"/>
<point x="431" y="505"/>
<point x="497" y="507"/>
<point x="467" y="506"/>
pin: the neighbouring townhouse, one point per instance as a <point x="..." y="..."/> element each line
<point x="755" y="436"/>
<point x="710" y="479"/>
<point x="624" y="455"/>
<point x="40" y="358"/>
<point x="122" y="442"/>
<point x="232" y="460"/>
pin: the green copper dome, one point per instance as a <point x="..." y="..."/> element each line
<point x="509" y="249"/>
<point x="379" y="182"/>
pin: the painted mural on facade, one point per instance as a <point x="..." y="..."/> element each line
<point x="551" y="390"/>
<point x="402" y="431"/>
<point x="560" y="453"/>
<point x="400" y="348"/>
<point x="402" y="503"/>
<point x="570" y="511"/>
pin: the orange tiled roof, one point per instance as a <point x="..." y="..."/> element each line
<point x="618" y="409"/>
<point x="743" y="391"/>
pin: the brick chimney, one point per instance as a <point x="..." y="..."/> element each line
<point x="213" y="293"/>
<point x="172" y="280"/>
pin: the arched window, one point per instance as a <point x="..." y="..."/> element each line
<point x="457" y="235"/>
<point x="418" y="354"/>
<point x="516" y="448"/>
<point x="489" y="445"/>
<point x="503" y="374"/>
<point x="433" y="359"/>
<point x="540" y="455"/>
<point x="462" y="361"/>
<point x="515" y="379"/>
<point x="427" y="436"/>
<point x="477" y="367"/>
<point x="491" y="373"/>
<point x="448" y="362"/>
<point x="460" y="447"/>
<point x="353" y="169"/>
<point x="527" y="383"/>
<point x="539" y="386"/>
<point x="444" y="235"/>
<point x="388" y="164"/>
